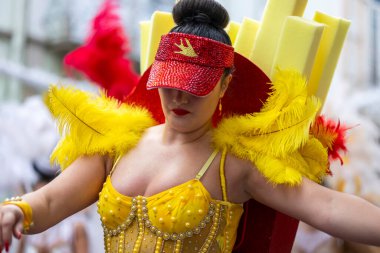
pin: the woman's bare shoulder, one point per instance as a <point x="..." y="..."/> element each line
<point x="145" y="145"/>
<point x="151" y="134"/>
<point x="237" y="165"/>
<point x="237" y="171"/>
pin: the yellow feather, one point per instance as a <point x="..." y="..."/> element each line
<point x="277" y="139"/>
<point x="279" y="171"/>
<point x="283" y="124"/>
<point x="92" y="124"/>
<point x="309" y="161"/>
<point x="316" y="156"/>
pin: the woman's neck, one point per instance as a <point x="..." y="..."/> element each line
<point x="172" y="136"/>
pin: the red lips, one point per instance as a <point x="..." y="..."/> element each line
<point x="180" y="112"/>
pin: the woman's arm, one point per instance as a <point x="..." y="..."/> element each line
<point x="74" y="189"/>
<point x="339" y="214"/>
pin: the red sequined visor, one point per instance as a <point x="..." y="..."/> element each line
<point x="190" y="63"/>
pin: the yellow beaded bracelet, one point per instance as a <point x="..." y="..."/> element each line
<point x="25" y="208"/>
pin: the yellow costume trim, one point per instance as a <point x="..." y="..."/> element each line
<point x="25" y="208"/>
<point x="92" y="124"/>
<point x="277" y="139"/>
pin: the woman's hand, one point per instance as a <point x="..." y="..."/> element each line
<point x="11" y="222"/>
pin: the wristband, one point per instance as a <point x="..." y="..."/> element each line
<point x="25" y="208"/>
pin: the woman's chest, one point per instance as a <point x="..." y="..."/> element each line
<point x="182" y="217"/>
<point x="139" y="173"/>
<point x="174" y="210"/>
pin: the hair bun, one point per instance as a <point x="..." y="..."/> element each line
<point x="199" y="18"/>
<point x="200" y="11"/>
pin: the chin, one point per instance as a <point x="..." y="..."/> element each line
<point x="186" y="124"/>
<point x="179" y="124"/>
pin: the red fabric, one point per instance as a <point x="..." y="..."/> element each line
<point x="248" y="90"/>
<point x="264" y="230"/>
<point x="148" y="99"/>
<point x="102" y="57"/>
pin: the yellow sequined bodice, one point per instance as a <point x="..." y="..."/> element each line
<point x="183" y="218"/>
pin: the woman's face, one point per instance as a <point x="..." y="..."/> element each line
<point x="185" y="112"/>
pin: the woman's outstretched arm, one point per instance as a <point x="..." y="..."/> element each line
<point x="339" y="214"/>
<point x="74" y="189"/>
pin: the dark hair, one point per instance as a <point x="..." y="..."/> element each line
<point x="205" y="18"/>
<point x="44" y="172"/>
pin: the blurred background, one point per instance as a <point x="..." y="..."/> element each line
<point x="35" y="35"/>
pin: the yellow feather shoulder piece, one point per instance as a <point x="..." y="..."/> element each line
<point x="277" y="139"/>
<point x="309" y="161"/>
<point x="91" y="124"/>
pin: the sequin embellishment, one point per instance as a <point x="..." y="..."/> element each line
<point x="186" y="50"/>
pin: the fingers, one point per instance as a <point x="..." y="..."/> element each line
<point x="7" y="222"/>
<point x="10" y="223"/>
<point x="17" y="230"/>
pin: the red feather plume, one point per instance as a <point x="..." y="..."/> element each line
<point x="332" y="135"/>
<point x="102" y="57"/>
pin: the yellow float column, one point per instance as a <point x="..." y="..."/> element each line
<point x="246" y="37"/>
<point x="144" y="39"/>
<point x="161" y="23"/>
<point x="232" y="30"/>
<point x="268" y="34"/>
<point x="328" y="54"/>
<point x="298" y="45"/>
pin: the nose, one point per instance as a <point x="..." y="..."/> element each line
<point x="180" y="97"/>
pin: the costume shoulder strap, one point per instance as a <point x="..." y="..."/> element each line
<point x="206" y="165"/>
<point x="222" y="175"/>
<point x="91" y="124"/>
<point x="277" y="139"/>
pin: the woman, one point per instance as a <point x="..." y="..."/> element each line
<point x="170" y="188"/>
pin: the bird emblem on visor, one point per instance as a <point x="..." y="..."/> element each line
<point x="187" y="50"/>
